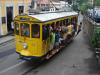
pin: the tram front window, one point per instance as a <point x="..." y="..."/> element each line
<point x="25" y="30"/>
<point x="16" y="28"/>
<point x="35" y="31"/>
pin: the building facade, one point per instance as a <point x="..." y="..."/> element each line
<point x="8" y="10"/>
<point x="43" y="4"/>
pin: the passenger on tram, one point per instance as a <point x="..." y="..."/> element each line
<point x="25" y="31"/>
<point x="52" y="39"/>
<point x="57" y="37"/>
<point x="70" y="29"/>
<point x="44" y="32"/>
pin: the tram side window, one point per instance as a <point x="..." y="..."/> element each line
<point x="74" y="22"/>
<point x="16" y="28"/>
<point x="45" y="32"/>
<point x="25" y="30"/>
<point x="66" y="22"/>
<point x="35" y="31"/>
<point x="61" y="23"/>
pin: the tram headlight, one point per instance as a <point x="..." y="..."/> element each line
<point x="25" y="46"/>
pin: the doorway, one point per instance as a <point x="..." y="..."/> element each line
<point x="9" y="13"/>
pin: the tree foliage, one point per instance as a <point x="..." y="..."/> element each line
<point x="97" y="2"/>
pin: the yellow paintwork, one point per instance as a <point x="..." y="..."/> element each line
<point x="36" y="46"/>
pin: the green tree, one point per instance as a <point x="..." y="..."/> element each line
<point x="97" y="2"/>
<point x="82" y="5"/>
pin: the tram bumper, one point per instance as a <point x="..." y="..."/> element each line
<point x="29" y="58"/>
<point x="25" y="55"/>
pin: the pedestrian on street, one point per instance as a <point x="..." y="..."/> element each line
<point x="79" y="28"/>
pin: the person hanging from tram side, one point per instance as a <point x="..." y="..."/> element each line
<point x="61" y="30"/>
<point x="45" y="35"/>
<point x="57" y="37"/>
<point x="70" y="31"/>
<point x="74" y="27"/>
<point x="62" y="33"/>
<point x="52" y="39"/>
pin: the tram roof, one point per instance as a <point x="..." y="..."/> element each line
<point x="52" y="16"/>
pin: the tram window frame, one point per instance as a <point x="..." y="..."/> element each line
<point x="64" y="22"/>
<point x="23" y="34"/>
<point x="47" y="32"/>
<point x="53" y="24"/>
<point x="57" y="23"/>
<point x="36" y="31"/>
<point x="61" y="23"/>
<point x="74" y="20"/>
<point x="16" y="30"/>
<point x="67" y="22"/>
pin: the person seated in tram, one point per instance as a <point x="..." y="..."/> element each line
<point x="25" y="31"/>
<point x="36" y="34"/>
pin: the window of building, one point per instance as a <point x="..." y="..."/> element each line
<point x="35" y="31"/>
<point x="21" y="9"/>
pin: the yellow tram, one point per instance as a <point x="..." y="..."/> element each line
<point x="33" y="33"/>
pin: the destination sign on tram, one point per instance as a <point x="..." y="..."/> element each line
<point x="24" y="19"/>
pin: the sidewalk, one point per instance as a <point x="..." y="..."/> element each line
<point x="6" y="39"/>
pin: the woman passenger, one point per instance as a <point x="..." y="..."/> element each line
<point x="52" y="39"/>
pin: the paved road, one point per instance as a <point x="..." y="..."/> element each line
<point x="8" y="57"/>
<point x="76" y="59"/>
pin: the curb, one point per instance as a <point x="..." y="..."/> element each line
<point x="1" y="36"/>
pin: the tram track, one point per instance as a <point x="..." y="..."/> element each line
<point x="39" y="63"/>
<point x="31" y="69"/>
